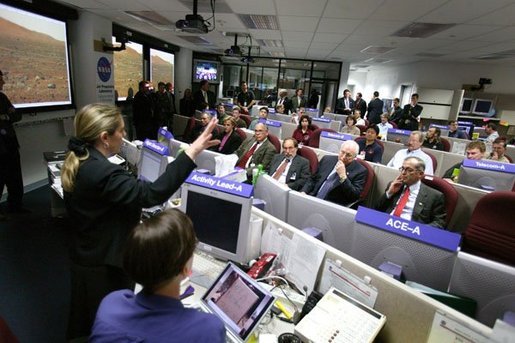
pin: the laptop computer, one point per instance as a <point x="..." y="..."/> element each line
<point x="239" y="301"/>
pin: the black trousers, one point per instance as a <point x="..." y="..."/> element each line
<point x="10" y="176"/>
<point x="89" y="285"/>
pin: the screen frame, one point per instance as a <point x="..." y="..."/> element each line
<point x="471" y="105"/>
<point x="218" y="70"/>
<point x="38" y="107"/>
<point x="243" y="241"/>
<point x="476" y="101"/>
<point x="162" y="164"/>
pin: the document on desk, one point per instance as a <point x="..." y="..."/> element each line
<point x="446" y="329"/>
<point x="333" y="274"/>
<point x="300" y="257"/>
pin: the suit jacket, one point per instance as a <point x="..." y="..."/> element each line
<point x="287" y="104"/>
<point x="232" y="144"/>
<point x="429" y="206"/>
<point x="343" y="193"/>
<point x="409" y="117"/>
<point x="340" y="106"/>
<point x="375" y="108"/>
<point x="200" y="102"/>
<point x="296" y="104"/>
<point x="106" y="204"/>
<point x="263" y="154"/>
<point x="298" y="173"/>
<point x="361" y="105"/>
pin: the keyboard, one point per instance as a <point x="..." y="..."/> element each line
<point x="205" y="269"/>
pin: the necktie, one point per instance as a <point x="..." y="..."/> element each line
<point x="346" y="103"/>
<point x="402" y="203"/>
<point x="244" y="159"/>
<point x="327" y="186"/>
<point x="281" y="169"/>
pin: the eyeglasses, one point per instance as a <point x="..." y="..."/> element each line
<point x="408" y="170"/>
<point x="259" y="131"/>
<point x="348" y="155"/>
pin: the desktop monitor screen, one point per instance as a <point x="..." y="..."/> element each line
<point x="490" y="284"/>
<point x="420" y="262"/>
<point x="130" y="152"/>
<point x="482" y="106"/>
<point x="221" y="221"/>
<point x="466" y="105"/>
<point x="274" y="194"/>
<point x="206" y="70"/>
<point x="489" y="180"/>
<point x="151" y="165"/>
<point x="336" y="222"/>
<point x="467" y="127"/>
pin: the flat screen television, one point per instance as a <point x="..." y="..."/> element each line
<point x="206" y="70"/>
<point x="466" y="105"/>
<point x="482" y="107"/>
<point x="35" y="60"/>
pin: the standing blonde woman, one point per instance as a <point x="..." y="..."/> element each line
<point x="104" y="204"/>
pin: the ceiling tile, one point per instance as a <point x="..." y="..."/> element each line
<point x="461" y="11"/>
<point x="351" y="9"/>
<point x="503" y="16"/>
<point x="266" y="34"/>
<point x="500" y="35"/>
<point x="460" y="32"/>
<point x="303" y="24"/>
<point x="329" y="37"/>
<point x="338" y="25"/>
<point x="252" y="7"/>
<point x="289" y="36"/>
<point x="400" y="10"/>
<point x="380" y="27"/>
<point x="300" y="8"/>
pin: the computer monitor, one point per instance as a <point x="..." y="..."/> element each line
<point x="130" y="152"/>
<point x="466" y="105"/>
<point x="206" y="160"/>
<point x="487" y="175"/>
<point x="423" y="263"/>
<point x="151" y="164"/>
<point x="490" y="284"/>
<point x="398" y="135"/>
<point x="467" y="127"/>
<point x="332" y="141"/>
<point x="336" y="222"/>
<point x="482" y="107"/>
<point x="274" y="194"/>
<point x="221" y="219"/>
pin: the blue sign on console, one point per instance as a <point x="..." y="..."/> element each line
<point x="273" y="123"/>
<point x="322" y="120"/>
<point x="490" y="165"/>
<point x="400" y="132"/>
<point x="334" y="135"/>
<point x="431" y="235"/>
<point x="156" y="147"/>
<point x="227" y="186"/>
<point x="164" y="133"/>
<point x="445" y="127"/>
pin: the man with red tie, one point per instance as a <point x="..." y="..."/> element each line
<point x="407" y="197"/>
<point x="256" y="150"/>
<point x="290" y="168"/>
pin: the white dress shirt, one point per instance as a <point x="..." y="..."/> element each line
<point x="401" y="155"/>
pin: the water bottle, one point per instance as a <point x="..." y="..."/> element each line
<point x="256" y="173"/>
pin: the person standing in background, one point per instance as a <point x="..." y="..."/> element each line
<point x="396" y="113"/>
<point x="246" y="98"/>
<point x="186" y="104"/>
<point x="10" y="166"/>
<point x="143" y="113"/>
<point x="360" y="104"/>
<point x="204" y="98"/>
<point x="410" y="114"/>
<point x="375" y="108"/>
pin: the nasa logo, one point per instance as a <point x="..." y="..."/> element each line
<point x="104" y="69"/>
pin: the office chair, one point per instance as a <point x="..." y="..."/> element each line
<point x="311" y="156"/>
<point x="433" y="159"/>
<point x="275" y="141"/>
<point x="446" y="144"/>
<point x="368" y="184"/>
<point x="450" y="193"/>
<point x="314" y="142"/>
<point x="246" y="118"/>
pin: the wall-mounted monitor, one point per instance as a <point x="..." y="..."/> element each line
<point x="35" y="60"/>
<point x="482" y="107"/>
<point x="466" y="105"/>
<point x="206" y="70"/>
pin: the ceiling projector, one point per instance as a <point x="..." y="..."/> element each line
<point x="193" y="23"/>
<point x="233" y="51"/>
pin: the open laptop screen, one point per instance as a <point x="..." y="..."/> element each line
<point x="238" y="300"/>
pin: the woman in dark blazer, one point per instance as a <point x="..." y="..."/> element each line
<point x="230" y="140"/>
<point x="104" y="203"/>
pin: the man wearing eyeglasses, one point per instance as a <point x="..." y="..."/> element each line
<point x="256" y="150"/>
<point x="407" y="197"/>
<point x="289" y="167"/>
<point x="339" y="179"/>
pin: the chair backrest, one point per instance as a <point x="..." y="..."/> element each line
<point x="241" y="133"/>
<point x="446" y="144"/>
<point x="394" y="124"/>
<point x="275" y="141"/>
<point x="362" y="128"/>
<point x="490" y="232"/>
<point x="311" y="156"/>
<point x="433" y="159"/>
<point x="450" y="193"/>
<point x="246" y="118"/>
<point x="314" y="142"/>
<point x="369" y="181"/>
<point x="188" y="131"/>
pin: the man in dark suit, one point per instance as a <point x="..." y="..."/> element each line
<point x="290" y="168"/>
<point x="283" y="100"/>
<point x="256" y="150"/>
<point x="339" y="179"/>
<point x="344" y="105"/>
<point x="407" y="197"/>
<point x="410" y="114"/>
<point x="204" y="98"/>
<point x="143" y="109"/>
<point x="375" y="109"/>
<point x="360" y="104"/>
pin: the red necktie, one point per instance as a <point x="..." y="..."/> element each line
<point x="281" y="169"/>
<point x="402" y="203"/>
<point x="243" y="161"/>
